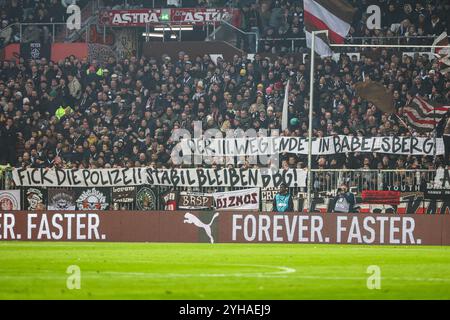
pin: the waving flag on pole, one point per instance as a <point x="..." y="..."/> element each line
<point x="443" y="54"/>
<point x="284" y="117"/>
<point x="335" y="16"/>
<point x="424" y="116"/>
<point x="376" y="93"/>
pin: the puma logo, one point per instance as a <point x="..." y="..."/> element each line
<point x="190" y="218"/>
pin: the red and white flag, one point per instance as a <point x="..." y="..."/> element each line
<point x="332" y="15"/>
<point x="423" y="116"/>
<point x="443" y="54"/>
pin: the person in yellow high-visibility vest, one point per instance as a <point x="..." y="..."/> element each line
<point x="60" y="112"/>
<point x="100" y="72"/>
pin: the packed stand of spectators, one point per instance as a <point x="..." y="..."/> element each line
<point x="275" y="21"/>
<point x="128" y="4"/>
<point x="35" y="14"/>
<point x="75" y="114"/>
<point x="402" y="22"/>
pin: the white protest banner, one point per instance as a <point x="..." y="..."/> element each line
<point x="213" y="147"/>
<point x="439" y="188"/>
<point x="159" y="177"/>
<point x="247" y="199"/>
<point x="9" y="200"/>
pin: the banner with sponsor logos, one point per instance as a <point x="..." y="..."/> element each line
<point x="226" y="227"/>
<point x="10" y="200"/>
<point x="61" y="199"/>
<point x="195" y="201"/>
<point x="35" y="50"/>
<point x="146" y="199"/>
<point x="214" y="147"/>
<point x="169" y="200"/>
<point x="158" y="177"/>
<point x="177" y="16"/>
<point x="409" y="203"/>
<point x="247" y="199"/>
<point x="121" y="197"/>
<point x="93" y="198"/>
<point x="35" y="198"/>
<point x="123" y="194"/>
<point x="439" y="188"/>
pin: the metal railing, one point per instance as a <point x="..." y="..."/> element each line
<point x="56" y="31"/>
<point x="299" y="44"/>
<point x="248" y="38"/>
<point x="129" y="4"/>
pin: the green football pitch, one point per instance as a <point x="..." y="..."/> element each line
<point x="39" y="270"/>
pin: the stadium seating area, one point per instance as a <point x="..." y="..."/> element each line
<point x="34" y="15"/>
<point x="123" y="113"/>
<point x="273" y="20"/>
<point x="405" y="22"/>
<point x="90" y="115"/>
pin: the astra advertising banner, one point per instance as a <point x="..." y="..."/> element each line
<point x="178" y="16"/>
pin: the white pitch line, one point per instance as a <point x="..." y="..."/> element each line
<point x="365" y="278"/>
<point x="281" y="271"/>
<point x="279" y="274"/>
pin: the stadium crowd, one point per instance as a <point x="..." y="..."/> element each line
<point x="404" y="22"/>
<point x="36" y="17"/>
<point x="74" y="113"/>
<point x="412" y="22"/>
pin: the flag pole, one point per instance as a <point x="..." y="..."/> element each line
<point x="403" y="123"/>
<point x="434" y="137"/>
<point x="311" y="95"/>
<point x="284" y="116"/>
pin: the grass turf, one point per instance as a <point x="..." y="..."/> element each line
<point x="37" y="270"/>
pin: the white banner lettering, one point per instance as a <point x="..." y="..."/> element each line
<point x="247" y="199"/>
<point x="159" y="177"/>
<point x="327" y="145"/>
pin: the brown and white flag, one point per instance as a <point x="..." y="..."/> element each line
<point x="332" y="15"/>
<point x="376" y="93"/>
<point x="424" y="116"/>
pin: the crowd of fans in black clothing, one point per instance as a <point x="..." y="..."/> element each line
<point x="36" y="17"/>
<point x="80" y="114"/>
<point x="76" y="114"/>
<point x="402" y="21"/>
